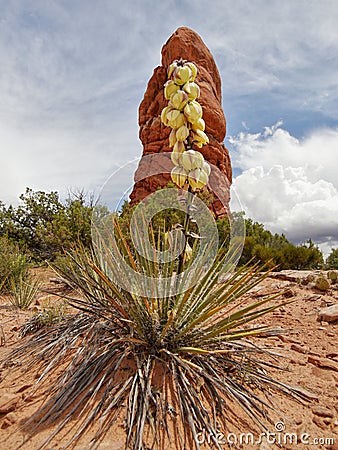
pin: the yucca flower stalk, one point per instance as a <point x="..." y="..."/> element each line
<point x="184" y="115"/>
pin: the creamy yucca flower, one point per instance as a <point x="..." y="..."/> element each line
<point x="172" y="138"/>
<point x="197" y="178"/>
<point x="193" y="111"/>
<point x="182" y="74"/>
<point x="200" y="138"/>
<point x="175" y="119"/>
<point x="182" y="133"/>
<point x="179" y="99"/>
<point x="187" y="252"/>
<point x="170" y="88"/>
<point x="179" y="176"/>
<point x="192" y="159"/>
<point x="192" y="90"/>
<point x="176" y="158"/>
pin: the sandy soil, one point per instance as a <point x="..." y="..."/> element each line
<point x="310" y="351"/>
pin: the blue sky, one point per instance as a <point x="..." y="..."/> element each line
<point x="74" y="72"/>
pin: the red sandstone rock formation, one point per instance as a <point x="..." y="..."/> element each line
<point x="186" y="44"/>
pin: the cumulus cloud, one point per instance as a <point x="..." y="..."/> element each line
<point x="290" y="185"/>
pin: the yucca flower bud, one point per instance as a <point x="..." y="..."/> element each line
<point x="197" y="178"/>
<point x="172" y="138"/>
<point x="182" y="133"/>
<point x="193" y="69"/>
<point x="192" y="89"/>
<point x="179" y="146"/>
<point x="200" y="138"/>
<point x="179" y="99"/>
<point x="179" y="176"/>
<point x="192" y="159"/>
<point x="198" y="125"/>
<point x="206" y="168"/>
<point x="193" y="111"/>
<point x="176" y="119"/>
<point x="176" y="158"/>
<point x="187" y="253"/>
<point x="182" y="74"/>
<point x="171" y="68"/>
<point x="170" y="88"/>
<point x="164" y="117"/>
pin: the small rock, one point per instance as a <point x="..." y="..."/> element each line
<point x="8" y="403"/>
<point x="298" y="348"/>
<point x="324" y="363"/>
<point x="310" y="278"/>
<point x="5" y="424"/>
<point x="313" y="298"/>
<point x="11" y="417"/>
<point x="321" y="411"/>
<point x="319" y="422"/>
<point x="288" y="293"/>
<point x="329" y="314"/>
<point x="298" y="421"/>
<point x="287" y="339"/>
<point x="327" y="420"/>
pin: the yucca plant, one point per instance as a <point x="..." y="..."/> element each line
<point x="23" y="291"/>
<point x="169" y="366"/>
<point x="161" y="343"/>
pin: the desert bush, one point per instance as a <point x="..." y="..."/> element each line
<point x="332" y="259"/>
<point x="14" y="265"/>
<point x="45" y="226"/>
<point x="23" y="291"/>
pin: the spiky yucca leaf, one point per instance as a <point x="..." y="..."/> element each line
<point x="170" y="366"/>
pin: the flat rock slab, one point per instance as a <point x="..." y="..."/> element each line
<point x="329" y="314"/>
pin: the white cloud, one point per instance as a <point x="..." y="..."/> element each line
<point x="290" y="185"/>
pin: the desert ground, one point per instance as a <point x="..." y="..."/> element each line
<point x="309" y="355"/>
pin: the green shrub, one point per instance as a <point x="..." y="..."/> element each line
<point x="332" y="259"/>
<point x="23" y="291"/>
<point x="13" y="264"/>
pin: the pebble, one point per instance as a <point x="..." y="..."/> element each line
<point x="8" y="403"/>
<point x="329" y="314"/>
<point x="287" y="339"/>
<point x="298" y="348"/>
<point x="322" y="411"/>
<point x="319" y="422"/>
<point x="323" y="363"/>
